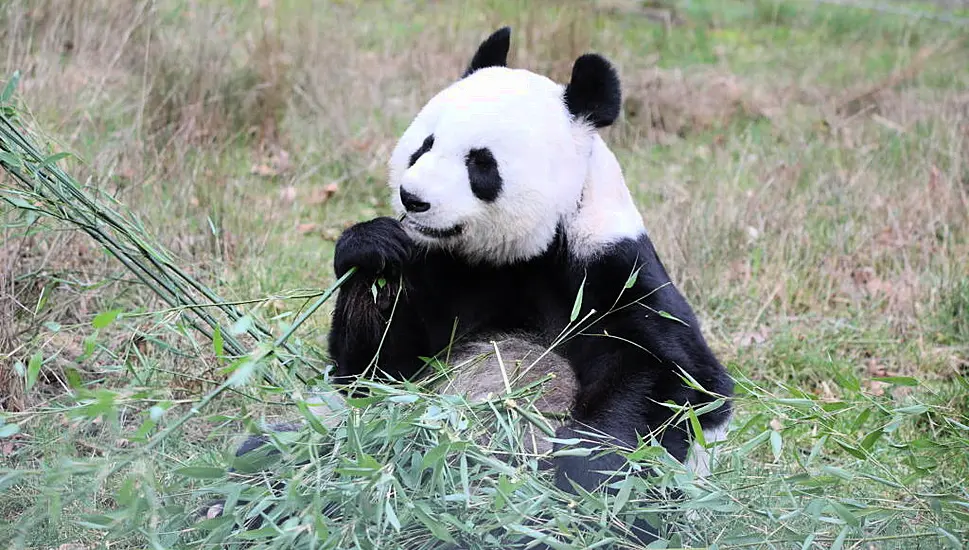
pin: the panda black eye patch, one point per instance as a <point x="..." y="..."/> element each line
<point x="483" y="174"/>
<point x="425" y="147"/>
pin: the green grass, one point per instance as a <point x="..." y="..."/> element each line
<point x="825" y="254"/>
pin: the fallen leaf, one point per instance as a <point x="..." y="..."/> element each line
<point x="321" y="195"/>
<point x="263" y="170"/>
<point x="305" y="228"/>
<point x="875" y="368"/>
<point x="776" y="425"/>
<point x="749" y="338"/>
<point x="277" y="164"/>
<point x="866" y="279"/>
<point x="361" y="145"/>
<point x="876" y="387"/>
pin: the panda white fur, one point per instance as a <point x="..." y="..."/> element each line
<point x="510" y="203"/>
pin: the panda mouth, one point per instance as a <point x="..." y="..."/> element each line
<point x="434" y="232"/>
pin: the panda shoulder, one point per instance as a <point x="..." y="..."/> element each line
<point x="606" y="213"/>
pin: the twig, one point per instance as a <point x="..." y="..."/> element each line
<point x="857" y="101"/>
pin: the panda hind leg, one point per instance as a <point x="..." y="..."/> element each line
<point x="216" y="507"/>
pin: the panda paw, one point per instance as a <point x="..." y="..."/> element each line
<point x="376" y="246"/>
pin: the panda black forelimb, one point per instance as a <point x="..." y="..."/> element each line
<point x="625" y="377"/>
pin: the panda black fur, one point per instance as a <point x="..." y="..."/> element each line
<point x="511" y="203"/>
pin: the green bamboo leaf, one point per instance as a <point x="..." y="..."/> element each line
<point x="633" y="277"/>
<point x="839" y="541"/>
<point x="311" y="418"/>
<point x="391" y="515"/>
<point x="912" y="409"/>
<point x="52" y="160"/>
<point x="577" y="306"/>
<point x="33" y="369"/>
<point x="435" y="455"/>
<point x="433" y="524"/>
<point x="950" y="540"/>
<point x="671" y="317"/>
<point x="104" y="319"/>
<point x="242" y="326"/>
<point x="8" y="430"/>
<point x="241" y="371"/>
<point x="201" y="472"/>
<point x="775" y="444"/>
<point x="753" y="443"/>
<point x="622" y="497"/>
<point x="869" y="441"/>
<point x="73" y="378"/>
<point x="261" y="533"/>
<point x="898" y="380"/>
<point x="698" y="434"/>
<point x="11" y="160"/>
<point x="11" y="85"/>
<point x="845" y="514"/>
<point x="852" y="450"/>
<point x="218" y="344"/>
<point x="577" y="451"/>
<point x="882" y="480"/>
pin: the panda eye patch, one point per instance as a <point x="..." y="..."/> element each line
<point x="483" y="174"/>
<point x="425" y="147"/>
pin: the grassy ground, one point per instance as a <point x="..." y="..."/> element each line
<point x="800" y="166"/>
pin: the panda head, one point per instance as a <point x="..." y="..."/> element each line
<point x="494" y="162"/>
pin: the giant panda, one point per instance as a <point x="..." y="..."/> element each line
<point x="513" y="217"/>
<point x="510" y="207"/>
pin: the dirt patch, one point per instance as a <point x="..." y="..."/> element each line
<point x="670" y="103"/>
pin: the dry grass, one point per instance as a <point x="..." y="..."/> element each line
<point x="814" y="208"/>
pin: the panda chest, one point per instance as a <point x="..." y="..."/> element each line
<point x="531" y="297"/>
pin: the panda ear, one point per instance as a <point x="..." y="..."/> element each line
<point x="594" y="93"/>
<point x="493" y="52"/>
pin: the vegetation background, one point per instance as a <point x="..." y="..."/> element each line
<point x="801" y="166"/>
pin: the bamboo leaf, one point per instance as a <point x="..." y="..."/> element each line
<point x="201" y="472"/>
<point x="9" y="88"/>
<point x="776" y="442"/>
<point x="577" y="306"/>
<point x="8" y="430"/>
<point x="218" y="343"/>
<point x="671" y="317"/>
<point x="102" y="320"/>
<point x="33" y="369"/>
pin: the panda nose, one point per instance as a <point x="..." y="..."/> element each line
<point x="412" y="202"/>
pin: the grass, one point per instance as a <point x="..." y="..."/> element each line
<point x="800" y="167"/>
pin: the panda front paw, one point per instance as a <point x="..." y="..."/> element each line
<point x="377" y="246"/>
